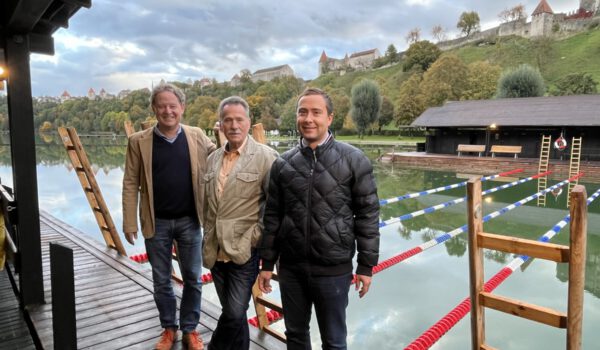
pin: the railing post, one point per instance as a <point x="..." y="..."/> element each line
<point x="475" y="224"/>
<point x="62" y="281"/>
<point x="578" y="243"/>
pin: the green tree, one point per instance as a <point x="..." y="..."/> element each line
<point x="468" y="22"/>
<point x="341" y="107"/>
<point x="366" y="103"/>
<point x="421" y="54"/>
<point x="525" y="81"/>
<point x="410" y="103"/>
<point x="482" y="81"/>
<point x="575" y="84"/>
<point x="386" y="115"/>
<point x="445" y="80"/>
<point x="288" y="116"/>
<point x="391" y="54"/>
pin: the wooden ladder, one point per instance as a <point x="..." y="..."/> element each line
<point x="543" y="167"/>
<point x="86" y="177"/>
<point x="574" y="164"/>
<point x="260" y="301"/>
<point x="574" y="254"/>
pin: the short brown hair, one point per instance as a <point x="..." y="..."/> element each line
<point x="314" y="91"/>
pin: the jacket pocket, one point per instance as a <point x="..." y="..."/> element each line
<point x="249" y="185"/>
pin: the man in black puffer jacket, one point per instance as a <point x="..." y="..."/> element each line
<point x="322" y="207"/>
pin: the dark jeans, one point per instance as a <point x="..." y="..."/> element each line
<point x="329" y="294"/>
<point x="234" y="286"/>
<point x="186" y="231"/>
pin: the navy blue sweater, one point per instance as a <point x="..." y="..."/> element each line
<point x="172" y="178"/>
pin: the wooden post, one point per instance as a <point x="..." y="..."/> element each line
<point x="129" y="130"/>
<point x="147" y="124"/>
<point x="258" y="133"/>
<point x="261" y="312"/>
<point x="25" y="184"/>
<point x="578" y="242"/>
<point x="475" y="224"/>
<point x="62" y="280"/>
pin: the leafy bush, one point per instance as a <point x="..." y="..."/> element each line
<point x="575" y="84"/>
<point x="525" y="81"/>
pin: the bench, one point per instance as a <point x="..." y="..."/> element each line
<point x="470" y="148"/>
<point x="506" y="149"/>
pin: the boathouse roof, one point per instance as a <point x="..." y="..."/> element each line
<point x="576" y="110"/>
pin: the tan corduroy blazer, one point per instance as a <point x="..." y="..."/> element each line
<point x="137" y="181"/>
<point x="233" y="221"/>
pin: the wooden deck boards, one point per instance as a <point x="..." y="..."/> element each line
<point x="14" y="333"/>
<point x="114" y="304"/>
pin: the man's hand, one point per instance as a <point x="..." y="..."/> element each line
<point x="131" y="237"/>
<point x="264" y="281"/>
<point x="362" y="284"/>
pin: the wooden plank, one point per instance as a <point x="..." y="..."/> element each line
<point x="486" y="347"/>
<point x="475" y="226"/>
<point x="269" y="303"/>
<point x="534" y="249"/>
<point x="525" y="310"/>
<point x="578" y="244"/>
<point x="258" y="133"/>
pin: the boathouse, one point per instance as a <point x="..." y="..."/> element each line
<point x="514" y="122"/>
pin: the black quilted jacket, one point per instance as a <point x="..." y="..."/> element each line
<point x="322" y="207"/>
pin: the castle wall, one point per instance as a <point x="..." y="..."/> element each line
<point x="454" y="43"/>
<point x="517" y="27"/>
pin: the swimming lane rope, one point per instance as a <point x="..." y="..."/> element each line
<point x="456" y="201"/>
<point x="435" y="332"/>
<point x="444" y="188"/>
<point x="446" y="236"/>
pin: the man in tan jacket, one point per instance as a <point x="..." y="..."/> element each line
<point x="164" y="168"/>
<point x="236" y="182"/>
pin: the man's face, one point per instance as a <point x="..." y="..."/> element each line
<point x="312" y="118"/>
<point x="235" y="125"/>
<point x="168" y="110"/>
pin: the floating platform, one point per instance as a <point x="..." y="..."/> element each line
<point x="489" y="165"/>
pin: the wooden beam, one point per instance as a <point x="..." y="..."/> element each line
<point x="42" y="44"/>
<point x="534" y="249"/>
<point x="81" y="3"/>
<point x="22" y="140"/>
<point x="269" y="303"/>
<point x="274" y="333"/>
<point x="525" y="310"/>
<point x="578" y="242"/>
<point x="258" y="133"/>
<point x="475" y="225"/>
<point x="486" y="347"/>
<point x="26" y="14"/>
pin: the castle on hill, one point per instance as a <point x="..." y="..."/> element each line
<point x="544" y="23"/>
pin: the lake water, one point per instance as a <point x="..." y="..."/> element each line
<point x="408" y="298"/>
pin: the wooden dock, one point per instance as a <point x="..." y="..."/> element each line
<point x="13" y="328"/>
<point x="115" y="308"/>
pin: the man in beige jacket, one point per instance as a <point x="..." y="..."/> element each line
<point x="236" y="182"/>
<point x="164" y="168"/>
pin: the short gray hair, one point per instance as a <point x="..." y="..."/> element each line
<point x="233" y="100"/>
<point x="166" y="87"/>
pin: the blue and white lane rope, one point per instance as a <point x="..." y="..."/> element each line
<point x="456" y="201"/>
<point x="446" y="236"/>
<point x="435" y="332"/>
<point x="444" y="188"/>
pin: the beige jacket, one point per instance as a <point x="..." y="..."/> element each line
<point x="137" y="181"/>
<point x="233" y="221"/>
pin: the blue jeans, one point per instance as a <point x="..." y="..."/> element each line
<point x="186" y="232"/>
<point x="329" y="294"/>
<point x="234" y="286"/>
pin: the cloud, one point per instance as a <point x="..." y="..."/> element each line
<point x="182" y="39"/>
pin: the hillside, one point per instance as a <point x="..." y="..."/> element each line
<point x="554" y="58"/>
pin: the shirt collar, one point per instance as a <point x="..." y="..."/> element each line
<point x="161" y="135"/>
<point x="239" y="150"/>
<point x="305" y="144"/>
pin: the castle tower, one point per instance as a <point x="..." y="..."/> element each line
<point x="322" y="63"/>
<point x="542" y="19"/>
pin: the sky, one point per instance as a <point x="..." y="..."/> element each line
<point x="133" y="44"/>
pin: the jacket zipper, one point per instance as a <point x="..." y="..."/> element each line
<point x="309" y="203"/>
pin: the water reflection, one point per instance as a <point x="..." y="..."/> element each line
<point x="407" y="298"/>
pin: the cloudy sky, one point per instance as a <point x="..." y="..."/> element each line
<point x="119" y="45"/>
